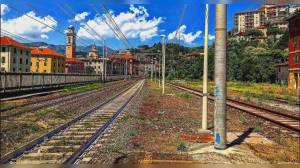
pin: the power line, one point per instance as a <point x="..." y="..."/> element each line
<point x="59" y="31"/>
<point x="108" y="15"/>
<point x="109" y="25"/>
<point x="16" y="36"/>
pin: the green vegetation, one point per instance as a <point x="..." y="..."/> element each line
<point x="184" y="95"/>
<point x="82" y="88"/>
<point x="181" y="146"/>
<point x="247" y="90"/>
<point x="249" y="60"/>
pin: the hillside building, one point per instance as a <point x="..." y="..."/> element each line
<point x="15" y="57"/>
<point x="47" y="60"/>
<point x="259" y="18"/>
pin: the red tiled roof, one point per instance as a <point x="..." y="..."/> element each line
<point x="45" y="51"/>
<point x="11" y="42"/>
<point x="73" y="60"/>
<point x="195" y="54"/>
<point x="126" y="56"/>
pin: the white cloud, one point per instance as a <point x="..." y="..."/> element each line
<point x="134" y="23"/>
<point x="211" y="37"/>
<point x="81" y="16"/>
<point x="188" y="38"/>
<point x="4" y="9"/>
<point x="29" y="28"/>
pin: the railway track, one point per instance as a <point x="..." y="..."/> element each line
<point x="289" y="121"/>
<point x="12" y="113"/>
<point x="68" y="142"/>
<point x="45" y="100"/>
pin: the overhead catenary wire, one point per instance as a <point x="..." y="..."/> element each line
<point x="114" y="24"/>
<point x="59" y="31"/>
<point x="108" y="24"/>
<point x="21" y="38"/>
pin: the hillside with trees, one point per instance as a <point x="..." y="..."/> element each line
<point x="248" y="60"/>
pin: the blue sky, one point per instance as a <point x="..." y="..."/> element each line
<point x="141" y="23"/>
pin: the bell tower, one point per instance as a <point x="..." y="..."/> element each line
<point x="71" y="45"/>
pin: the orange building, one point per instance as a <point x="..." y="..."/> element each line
<point x="47" y="60"/>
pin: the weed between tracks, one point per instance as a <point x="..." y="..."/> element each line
<point x="28" y="126"/>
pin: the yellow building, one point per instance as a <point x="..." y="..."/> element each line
<point x="47" y="60"/>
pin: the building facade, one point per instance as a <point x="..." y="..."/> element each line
<point x="47" y="60"/>
<point x="93" y="63"/>
<point x="15" y="57"/>
<point x="73" y="64"/>
<point x="282" y="73"/>
<point x="273" y="14"/>
<point x="294" y="51"/>
<point x="125" y="63"/>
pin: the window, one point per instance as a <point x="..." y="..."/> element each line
<point x="15" y="50"/>
<point x="296" y="61"/>
<point x="45" y="63"/>
<point x="3" y="49"/>
<point x="26" y="61"/>
<point x="45" y="71"/>
<point x="69" y="40"/>
<point x="14" y="61"/>
<point x="27" y="53"/>
<point x="30" y="63"/>
<point x="3" y="60"/>
<point x="20" y="69"/>
<point x="21" y="61"/>
<point x="14" y="70"/>
<point x="26" y="70"/>
<point x="295" y="43"/>
<point x="21" y="51"/>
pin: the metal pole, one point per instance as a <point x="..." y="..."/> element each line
<point x="205" y="69"/>
<point x="155" y="71"/>
<point x="159" y="72"/>
<point x="102" y="73"/>
<point x="105" y="55"/>
<point x="152" y="68"/>
<point x="220" y="77"/>
<point x="163" y="62"/>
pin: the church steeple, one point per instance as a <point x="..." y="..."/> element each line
<point x="71" y="42"/>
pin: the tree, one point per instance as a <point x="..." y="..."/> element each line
<point x="274" y="31"/>
<point x="254" y="33"/>
<point x="89" y="70"/>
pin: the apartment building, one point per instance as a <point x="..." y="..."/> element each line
<point x="273" y="14"/>
<point x="47" y="60"/>
<point x="15" y="56"/>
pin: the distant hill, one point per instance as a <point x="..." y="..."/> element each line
<point x="80" y="50"/>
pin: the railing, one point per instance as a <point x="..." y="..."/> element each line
<point x="20" y="81"/>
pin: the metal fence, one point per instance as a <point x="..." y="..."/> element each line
<point x="21" y="81"/>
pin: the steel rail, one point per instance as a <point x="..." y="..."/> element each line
<point x="245" y="107"/>
<point x="31" y="145"/>
<point x="63" y="100"/>
<point x="100" y="131"/>
<point x="41" y="101"/>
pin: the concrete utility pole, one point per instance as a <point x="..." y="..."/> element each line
<point x="163" y="62"/>
<point x="220" y="77"/>
<point x="205" y="69"/>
